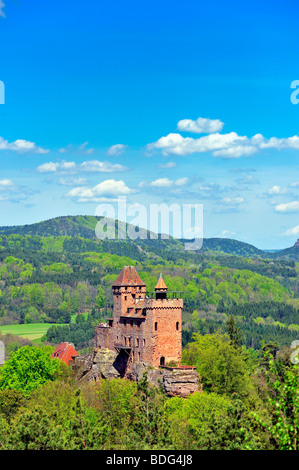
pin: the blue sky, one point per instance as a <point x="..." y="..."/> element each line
<point x="169" y="101"/>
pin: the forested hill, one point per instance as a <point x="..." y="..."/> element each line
<point x="54" y="270"/>
<point x="84" y="227"/>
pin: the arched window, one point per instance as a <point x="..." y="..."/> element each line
<point x="177" y="325"/>
<point x="162" y="361"/>
<point x="156" y="326"/>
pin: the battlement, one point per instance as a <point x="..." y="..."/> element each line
<point x="163" y="303"/>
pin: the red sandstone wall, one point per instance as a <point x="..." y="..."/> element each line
<point x="166" y="340"/>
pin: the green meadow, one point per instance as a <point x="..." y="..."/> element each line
<point x="31" y="331"/>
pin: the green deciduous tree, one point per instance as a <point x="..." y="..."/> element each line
<point x="221" y="366"/>
<point x="28" y="368"/>
<point x="284" y="400"/>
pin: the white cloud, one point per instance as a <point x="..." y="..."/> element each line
<point x="162" y="183"/>
<point x="200" y="126"/>
<point x="181" y="181"/>
<point x="167" y="165"/>
<point x="248" y="179"/>
<point x="9" y="191"/>
<point x="5" y="183"/>
<point x="104" y="167"/>
<point x="91" y="166"/>
<point x="80" y="150"/>
<point x="209" y="187"/>
<point x="105" y="189"/>
<point x="229" y="145"/>
<point x="276" y="190"/>
<point x="21" y="146"/>
<point x="235" y="151"/>
<point x="49" y="167"/>
<point x="71" y="181"/>
<point x="175" y="144"/>
<point x="165" y="182"/>
<point x="274" y="142"/>
<point x="116" y="149"/>
<point x="232" y="200"/>
<point x="294" y="185"/>
<point x="288" y="207"/>
<point x="292" y="231"/>
<point x="226" y="233"/>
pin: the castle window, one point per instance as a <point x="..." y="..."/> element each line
<point x="125" y="297"/>
<point x="125" y="339"/>
<point x="177" y="325"/>
<point x="156" y="326"/>
<point x="138" y="356"/>
<point x="131" y="323"/>
<point x="144" y="342"/>
<point x="138" y="325"/>
<point x="137" y="342"/>
<point x="162" y="361"/>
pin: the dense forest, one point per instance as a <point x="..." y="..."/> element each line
<point x="247" y="402"/>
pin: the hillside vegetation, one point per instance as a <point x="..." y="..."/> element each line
<point x="54" y="270"/>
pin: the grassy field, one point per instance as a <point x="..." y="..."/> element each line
<point x="32" y="331"/>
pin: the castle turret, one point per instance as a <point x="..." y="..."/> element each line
<point x="161" y="288"/>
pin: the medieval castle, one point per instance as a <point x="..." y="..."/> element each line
<point x="144" y="334"/>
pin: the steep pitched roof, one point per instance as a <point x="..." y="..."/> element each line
<point x="161" y="284"/>
<point x="128" y="277"/>
<point x="64" y="352"/>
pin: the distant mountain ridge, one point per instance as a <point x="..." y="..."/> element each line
<point x="84" y="226"/>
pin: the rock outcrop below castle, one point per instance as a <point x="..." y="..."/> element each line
<point x="104" y="364"/>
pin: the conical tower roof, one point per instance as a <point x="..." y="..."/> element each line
<point x="161" y="284"/>
<point x="128" y="277"/>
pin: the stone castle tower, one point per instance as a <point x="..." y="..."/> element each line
<point x="145" y="328"/>
<point x="144" y="335"/>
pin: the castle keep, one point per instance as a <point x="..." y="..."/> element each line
<point x="144" y="328"/>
